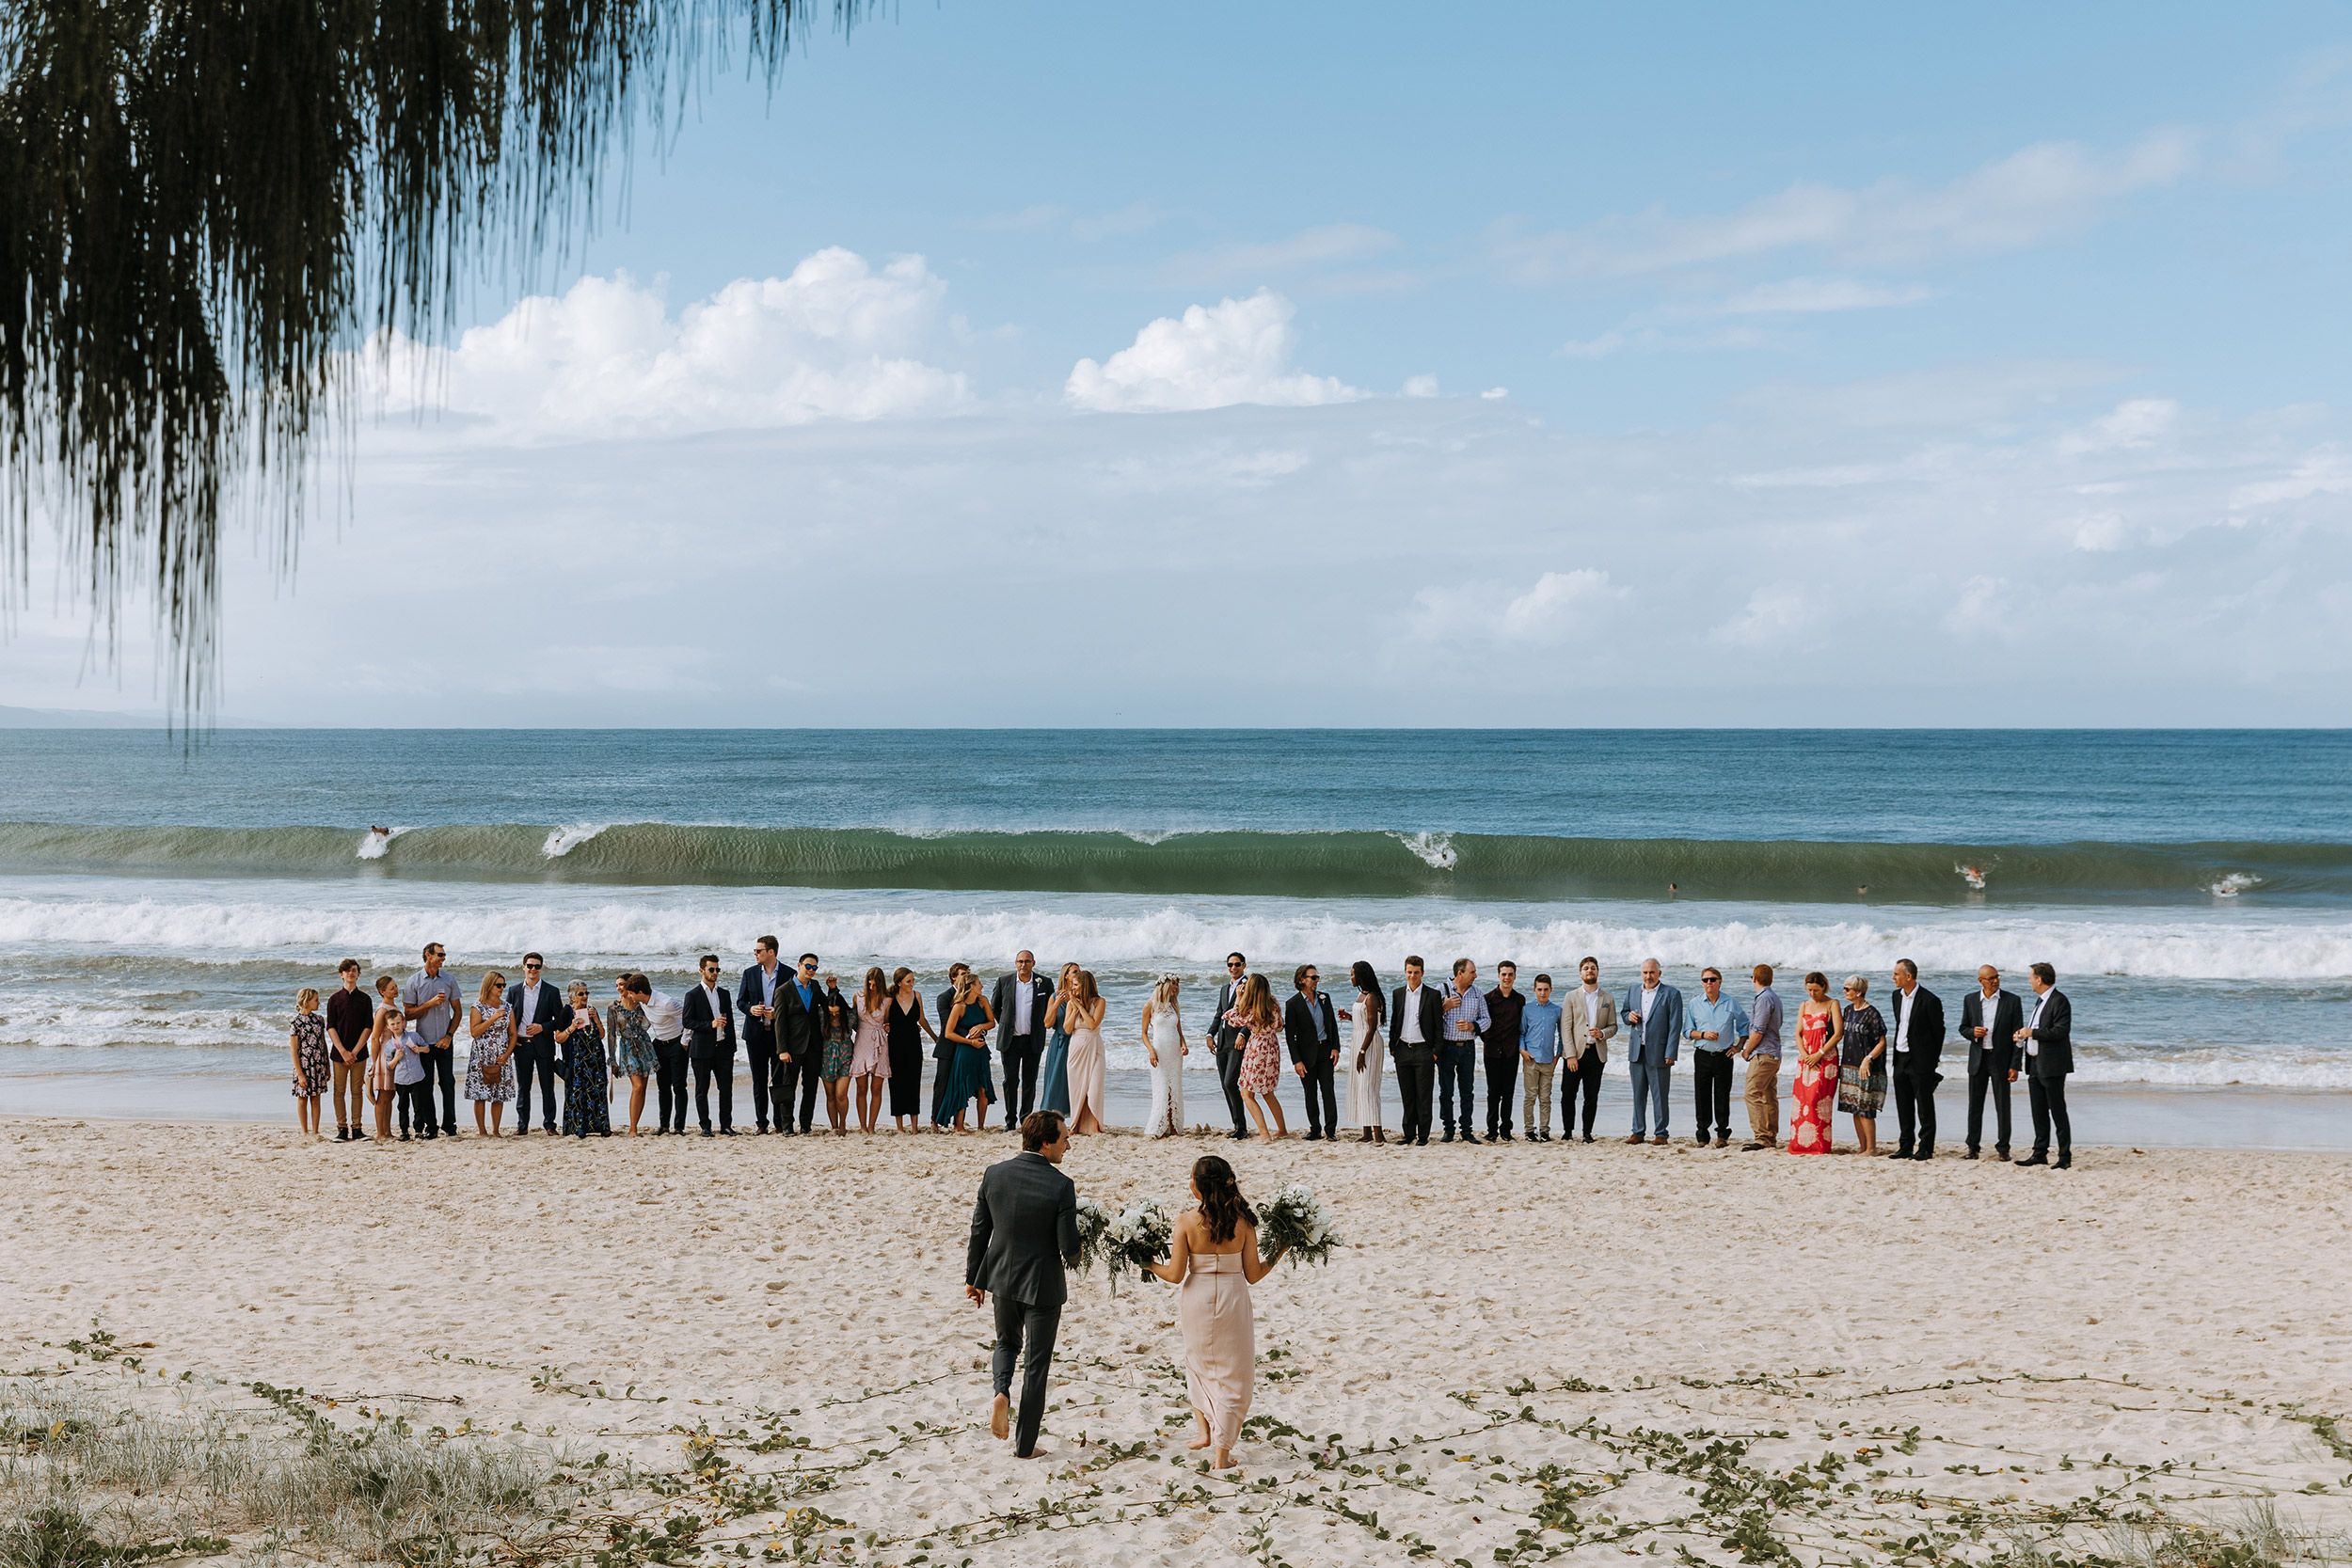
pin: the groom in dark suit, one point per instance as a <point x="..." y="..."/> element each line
<point x="1024" y="1232"/>
<point x="1989" y="1021"/>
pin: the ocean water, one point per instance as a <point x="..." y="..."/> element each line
<point x="160" y="904"/>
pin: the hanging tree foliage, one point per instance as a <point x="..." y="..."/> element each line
<point x="206" y="205"/>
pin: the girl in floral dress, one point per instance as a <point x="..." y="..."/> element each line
<point x="587" y="1100"/>
<point x="310" y="1071"/>
<point x="841" y="1026"/>
<point x="633" y="1041"/>
<point x="1261" y="1075"/>
<point x="1815" y="1090"/>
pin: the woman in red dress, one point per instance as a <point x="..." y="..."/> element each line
<point x="1815" y="1088"/>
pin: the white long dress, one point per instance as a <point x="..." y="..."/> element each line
<point x="1167" y="1078"/>
<point x="1372" y="1044"/>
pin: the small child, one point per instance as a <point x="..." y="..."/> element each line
<point x="398" y="1068"/>
<point x="307" y="1043"/>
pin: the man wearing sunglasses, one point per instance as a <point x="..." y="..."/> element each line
<point x="799" y="1044"/>
<point x="1228" y="1041"/>
<point x="538" y="1010"/>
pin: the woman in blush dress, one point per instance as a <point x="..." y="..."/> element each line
<point x="309" y="1044"/>
<point x="1164" y="1039"/>
<point x="491" y="1042"/>
<point x="587" y="1098"/>
<point x="1052" y="1078"/>
<point x="869" y="1059"/>
<point x="1082" y="1015"/>
<point x="1368" y="1059"/>
<point x="907" y="1028"/>
<point x="633" y="1052"/>
<point x="1261" y="1078"/>
<point x="1815" y="1090"/>
<point x="1214" y="1256"/>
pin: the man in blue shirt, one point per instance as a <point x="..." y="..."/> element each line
<point x="1540" y="1045"/>
<point x="1762" y="1054"/>
<point x="1715" y="1027"/>
<point x="1466" y="1019"/>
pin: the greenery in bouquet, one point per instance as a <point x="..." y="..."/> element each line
<point x="1297" y="1224"/>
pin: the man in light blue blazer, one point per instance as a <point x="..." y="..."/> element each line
<point x="1652" y="1012"/>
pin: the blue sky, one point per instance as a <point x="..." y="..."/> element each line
<point x="1549" y="364"/>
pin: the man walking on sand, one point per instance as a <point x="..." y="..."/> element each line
<point x="1024" y="1234"/>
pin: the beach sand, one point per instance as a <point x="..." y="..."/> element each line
<point x="1566" y="1350"/>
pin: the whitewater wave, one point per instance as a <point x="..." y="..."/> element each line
<point x="375" y="846"/>
<point x="2236" y="883"/>
<point x="563" y="841"/>
<point x="1434" y="850"/>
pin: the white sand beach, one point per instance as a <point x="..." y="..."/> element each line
<point x="1526" y="1354"/>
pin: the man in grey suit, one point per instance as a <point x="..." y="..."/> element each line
<point x="1024" y="1232"/>
<point x="1652" y="1011"/>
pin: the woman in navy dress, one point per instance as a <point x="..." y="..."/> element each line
<point x="587" y="1098"/>
<point x="969" y="1022"/>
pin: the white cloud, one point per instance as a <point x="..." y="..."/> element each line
<point x="836" y="338"/>
<point x="1770" y="616"/>
<point x="1212" y="357"/>
<point x="1636" y="336"/>
<point x="2134" y="425"/>
<point x="1421" y="387"/>
<point x="1975" y="613"/>
<point x="2327" y="471"/>
<point x="2031" y="194"/>
<point x="1821" y="295"/>
<point x="2099" y="533"/>
<point x="1496" y="394"/>
<point x="1252" y="262"/>
<point x="1560" y="605"/>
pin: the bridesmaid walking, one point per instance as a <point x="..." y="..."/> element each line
<point x="1815" y="1090"/>
<point x="1163" y="1039"/>
<point x="907" y="1028"/>
<point x="1083" y="1015"/>
<point x="869" y="1062"/>
<point x="1214" y="1257"/>
<point x="587" y="1100"/>
<point x="1369" y="1059"/>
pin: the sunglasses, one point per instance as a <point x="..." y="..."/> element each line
<point x="531" y="966"/>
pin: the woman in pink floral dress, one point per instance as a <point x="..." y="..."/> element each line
<point x="1261" y="1076"/>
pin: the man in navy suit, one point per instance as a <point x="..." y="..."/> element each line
<point x="537" y="1010"/>
<point x="756" y="998"/>
<point x="799" y="1044"/>
<point x="708" y="1014"/>
<point x="1989" y="1021"/>
<point x="2047" y="1041"/>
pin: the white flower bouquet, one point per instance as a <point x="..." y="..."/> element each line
<point x="1298" y="1223"/>
<point x="1132" y="1239"/>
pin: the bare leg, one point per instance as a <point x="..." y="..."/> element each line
<point x="497" y="1116"/>
<point x="636" y="1100"/>
<point x="1201" y="1426"/>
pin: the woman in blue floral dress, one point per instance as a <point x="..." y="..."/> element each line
<point x="587" y="1102"/>
<point x="633" y="1041"/>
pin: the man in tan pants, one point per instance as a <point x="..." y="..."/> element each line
<point x="1762" y="1054"/>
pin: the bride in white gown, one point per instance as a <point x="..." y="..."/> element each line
<point x="1164" y="1039"/>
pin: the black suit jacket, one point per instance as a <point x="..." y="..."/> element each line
<point x="758" y="1032"/>
<point x="1024" y="1231"/>
<point x="1926" y="1036"/>
<point x="943" y="1049"/>
<point x="799" y="1030"/>
<point x="552" y="1013"/>
<point x="1040" y="998"/>
<point x="1223" y="1036"/>
<point x="1432" y="1027"/>
<point x="696" y="1015"/>
<point x="1997" y="1051"/>
<point x="1299" y="1031"/>
<point x="2056" y="1037"/>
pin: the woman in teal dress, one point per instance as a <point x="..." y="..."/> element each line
<point x="1052" y="1093"/>
<point x="587" y="1102"/>
<point x="632" y="1041"/>
<point x="968" y="1078"/>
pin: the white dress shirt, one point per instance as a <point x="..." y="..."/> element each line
<point x="1902" y="1017"/>
<point x="1023" y="999"/>
<point x="2034" y="1041"/>
<point x="711" y="991"/>
<point x="1408" y="1022"/>
<point x="663" y="1016"/>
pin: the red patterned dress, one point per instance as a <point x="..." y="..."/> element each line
<point x="1815" y="1089"/>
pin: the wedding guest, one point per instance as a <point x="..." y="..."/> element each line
<point x="1812" y="1092"/>
<point x="1082" y="1015"/>
<point x="1989" y="1021"/>
<point x="536" y="1012"/>
<point x="1762" y="1054"/>
<point x="757" y="996"/>
<point x="410" y="1085"/>
<point x="631" y="1033"/>
<point x="1052" y="1078"/>
<point x="1653" y="1010"/>
<point x="431" y="1004"/>
<point x="1227" y="1041"/>
<point x="1164" y="1043"/>
<point x="1506" y="1004"/>
<point x="2047" y="1038"/>
<point x="587" y="1098"/>
<point x="707" y="1013"/>
<point x="387" y="1036"/>
<point x="490" y="1047"/>
<point x="968" y="1024"/>
<point x="1020" y="1007"/>
<point x="1416" y="1023"/>
<point x="350" y="1021"/>
<point x="944" y="1049"/>
<point x="1024" y="1232"/>
<point x="1457" y="1054"/>
<point x="1541" y="1040"/>
<point x="1260" y="1021"/>
<point x="908" y="1026"/>
<point x="665" y="1020"/>
<point x="1862" y="1063"/>
<point x="1916" y="1034"/>
<point x="1368" y="1060"/>
<point x="1592" y="1023"/>
<point x="839" y="1020"/>
<point x="1311" y="1031"/>
<point x="308" y="1044"/>
<point x="1715" y="1026"/>
<point x="800" y="1025"/>
<point x="1212" y="1254"/>
<point x="869" y="1063"/>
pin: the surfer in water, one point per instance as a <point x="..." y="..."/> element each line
<point x="1973" y="876"/>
